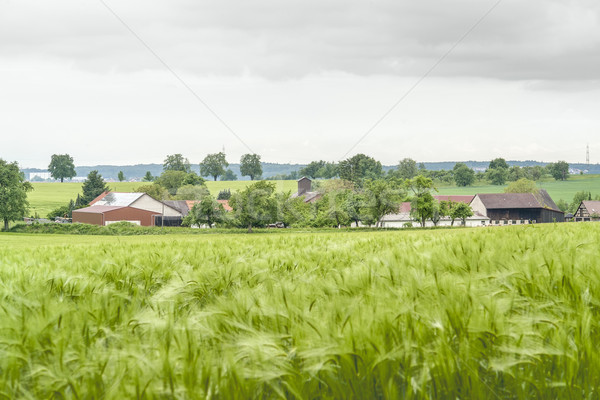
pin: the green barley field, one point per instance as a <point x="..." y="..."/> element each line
<point x="484" y="313"/>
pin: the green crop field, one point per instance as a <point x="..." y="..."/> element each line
<point x="557" y="189"/>
<point x="482" y="313"/>
<point x="48" y="196"/>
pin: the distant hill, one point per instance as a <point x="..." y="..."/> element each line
<point x="136" y="172"/>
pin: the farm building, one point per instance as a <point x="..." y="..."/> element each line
<point x="305" y="191"/>
<point x="106" y="215"/>
<point x="403" y="217"/>
<point x="137" y="208"/>
<point x="517" y="208"/>
<point x="589" y="210"/>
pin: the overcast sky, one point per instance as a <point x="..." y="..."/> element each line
<point x="299" y="80"/>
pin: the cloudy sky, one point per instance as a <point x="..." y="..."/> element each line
<point x="298" y="80"/>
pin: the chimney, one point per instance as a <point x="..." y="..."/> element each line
<point x="304" y="185"/>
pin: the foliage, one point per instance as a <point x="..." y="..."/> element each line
<point x="523" y="185"/>
<point x="192" y="178"/>
<point x="207" y="212"/>
<point x="13" y="193"/>
<point x="93" y="187"/>
<point x="381" y="199"/>
<point x="121" y="176"/>
<point x="577" y="199"/>
<point x="61" y="166"/>
<point x="559" y="170"/>
<point x="213" y="165"/>
<point x="422" y="203"/>
<point x="407" y="168"/>
<point x="463" y="175"/>
<point x="497" y="176"/>
<point x="460" y="211"/>
<point x="319" y="169"/>
<point x="148" y="177"/>
<point x="191" y="192"/>
<point x="224" y="194"/>
<point x="360" y="167"/>
<point x="176" y="162"/>
<point x="562" y="205"/>
<point x="293" y="211"/>
<point x="250" y="166"/>
<point x="171" y="180"/>
<point x="497" y="171"/>
<point x="498" y="163"/>
<point x="155" y="191"/>
<point x="255" y="206"/>
<point x="229" y="175"/>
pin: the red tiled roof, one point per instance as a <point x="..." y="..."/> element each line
<point x="455" y="198"/>
<point x="226" y="205"/>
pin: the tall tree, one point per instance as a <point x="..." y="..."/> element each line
<point x="498" y="163"/>
<point x="250" y="166"/>
<point x="381" y="199"/>
<point x="207" y="212"/>
<point x="407" y="168"/>
<point x="423" y="203"/>
<point x="93" y="186"/>
<point x="213" y="165"/>
<point x="497" y="171"/>
<point x="13" y="192"/>
<point x="176" y="162"/>
<point x="461" y="211"/>
<point x="255" y="206"/>
<point x="121" y="176"/>
<point x="61" y="166"/>
<point x="559" y="170"/>
<point x="171" y="180"/>
<point x="360" y="167"/>
<point x="522" y="185"/>
<point x="497" y="176"/>
<point x="463" y="175"/>
<point x="148" y="177"/>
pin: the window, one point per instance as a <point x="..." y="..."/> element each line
<point x="514" y="222"/>
<point x="505" y="222"/>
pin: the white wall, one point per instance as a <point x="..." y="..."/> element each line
<point x="146" y="202"/>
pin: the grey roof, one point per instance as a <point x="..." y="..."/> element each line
<point x="592" y="206"/>
<point x="179" y="205"/>
<point x="518" y="200"/>
<point x="118" y="199"/>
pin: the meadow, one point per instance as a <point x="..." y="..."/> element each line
<point x="47" y="196"/>
<point x="507" y="312"/>
<point x="557" y="189"/>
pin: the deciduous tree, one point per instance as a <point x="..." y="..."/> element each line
<point x="61" y="166"/>
<point x="463" y="175"/>
<point x="407" y="168"/>
<point x="176" y="162"/>
<point x="213" y="165"/>
<point x="250" y="166"/>
<point x="207" y="212"/>
<point x="360" y="167"/>
<point x="559" y="170"/>
<point x="255" y="206"/>
<point x="13" y="193"/>
<point x="121" y="176"/>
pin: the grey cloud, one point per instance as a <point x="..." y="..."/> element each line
<point x="538" y="39"/>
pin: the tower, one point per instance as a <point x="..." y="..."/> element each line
<point x="587" y="155"/>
